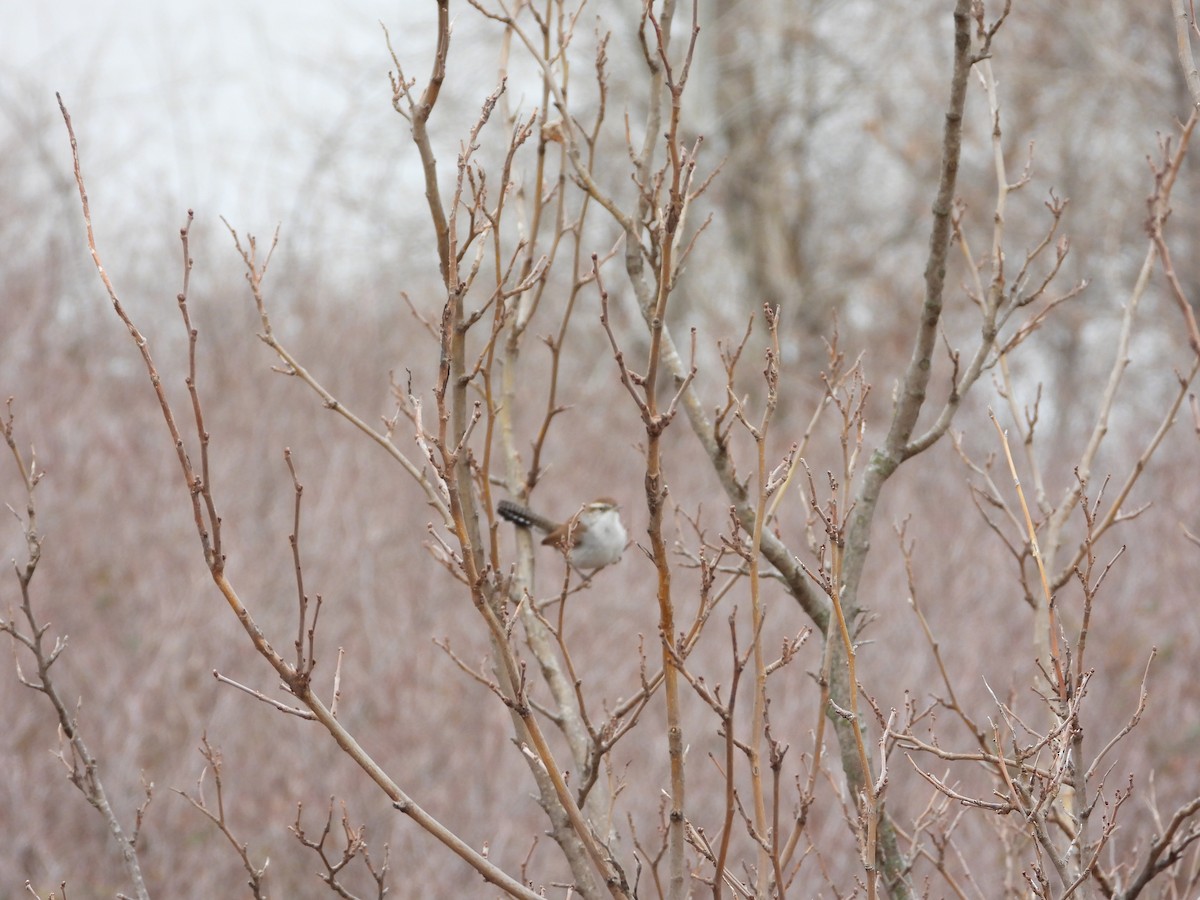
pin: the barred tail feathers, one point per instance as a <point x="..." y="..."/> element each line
<point x="523" y="516"/>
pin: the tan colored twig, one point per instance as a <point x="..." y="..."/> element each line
<point x="213" y="761"/>
<point x="205" y="515"/>
<point x="82" y="767"/>
<point x="1185" y="24"/>
<point x="1050" y="639"/>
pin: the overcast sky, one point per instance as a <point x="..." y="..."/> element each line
<point x="233" y="107"/>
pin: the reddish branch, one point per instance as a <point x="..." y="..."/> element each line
<point x="208" y="525"/>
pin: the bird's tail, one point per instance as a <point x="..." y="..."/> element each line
<point x="523" y="516"/>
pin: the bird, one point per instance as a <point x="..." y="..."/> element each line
<point x="592" y="538"/>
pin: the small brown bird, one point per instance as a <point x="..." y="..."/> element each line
<point x="593" y="537"/>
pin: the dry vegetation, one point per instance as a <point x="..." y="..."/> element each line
<point x="876" y="323"/>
